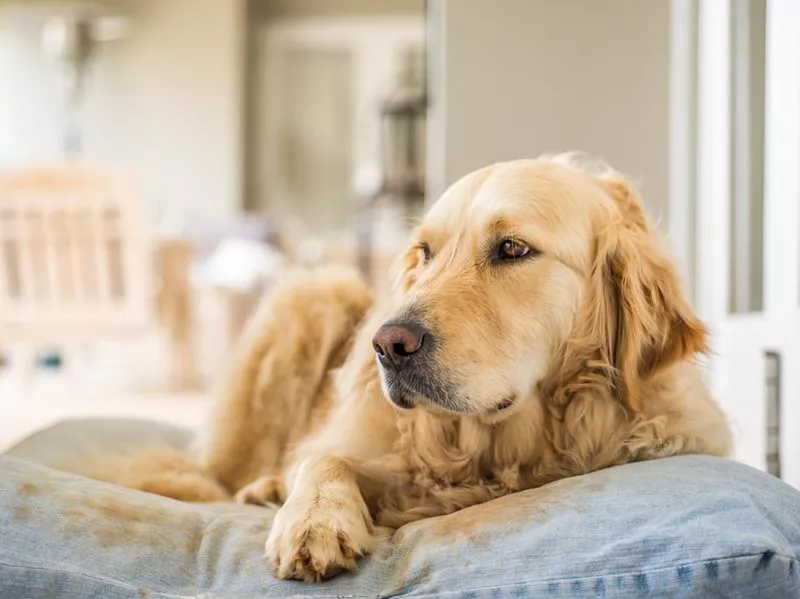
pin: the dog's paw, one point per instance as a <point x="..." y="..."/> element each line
<point x="267" y="489"/>
<point x="316" y="544"/>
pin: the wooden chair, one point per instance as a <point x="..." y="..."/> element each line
<point x="73" y="257"/>
<point x="174" y="306"/>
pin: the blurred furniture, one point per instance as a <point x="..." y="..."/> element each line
<point x="73" y="255"/>
<point x="173" y="261"/>
<point x="206" y="235"/>
<point x="689" y="527"/>
<point x="193" y="296"/>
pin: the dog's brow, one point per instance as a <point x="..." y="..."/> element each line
<point x="456" y="243"/>
<point x="498" y="224"/>
<point x="423" y="233"/>
<point x="435" y="234"/>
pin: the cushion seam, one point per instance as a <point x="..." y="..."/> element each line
<point x="529" y="583"/>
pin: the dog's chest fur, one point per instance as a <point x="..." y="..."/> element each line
<point x="446" y="463"/>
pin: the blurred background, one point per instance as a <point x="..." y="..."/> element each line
<point x="163" y="162"/>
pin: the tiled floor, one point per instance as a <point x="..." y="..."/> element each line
<point x="48" y="401"/>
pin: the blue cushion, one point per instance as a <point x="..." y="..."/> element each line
<point x="74" y="437"/>
<point x="690" y="526"/>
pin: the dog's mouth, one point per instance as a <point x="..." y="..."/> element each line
<point x="408" y="395"/>
<point x="504" y="405"/>
<point x="401" y="399"/>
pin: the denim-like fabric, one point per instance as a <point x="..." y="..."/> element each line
<point x="681" y="527"/>
<point x="73" y="438"/>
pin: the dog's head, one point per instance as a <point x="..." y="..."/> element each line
<point x="530" y="271"/>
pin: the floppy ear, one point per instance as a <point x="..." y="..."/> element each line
<point x="636" y="304"/>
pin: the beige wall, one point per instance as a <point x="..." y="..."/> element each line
<point x="165" y="103"/>
<point x="524" y="77"/>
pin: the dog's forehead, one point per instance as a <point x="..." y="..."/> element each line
<point x="450" y="210"/>
<point x="527" y="191"/>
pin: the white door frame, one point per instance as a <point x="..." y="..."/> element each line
<point x="782" y="213"/>
<point x="738" y="364"/>
<point x="782" y="150"/>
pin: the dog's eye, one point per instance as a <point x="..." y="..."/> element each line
<point x="425" y="250"/>
<point x="510" y="249"/>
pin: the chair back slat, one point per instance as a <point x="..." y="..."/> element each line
<point x="72" y="253"/>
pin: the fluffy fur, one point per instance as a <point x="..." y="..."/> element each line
<point x="577" y="358"/>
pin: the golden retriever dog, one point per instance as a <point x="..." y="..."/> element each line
<point x="536" y="331"/>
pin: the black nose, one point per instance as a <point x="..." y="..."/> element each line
<point x="395" y="344"/>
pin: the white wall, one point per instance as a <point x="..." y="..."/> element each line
<point x="165" y="103"/>
<point x="29" y="104"/>
<point x="518" y="78"/>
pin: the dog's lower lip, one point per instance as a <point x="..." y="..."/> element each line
<point x="402" y="403"/>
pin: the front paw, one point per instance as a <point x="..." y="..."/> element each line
<point x="315" y="541"/>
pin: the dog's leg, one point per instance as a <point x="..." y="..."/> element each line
<point x="326" y="522"/>
<point x="277" y="384"/>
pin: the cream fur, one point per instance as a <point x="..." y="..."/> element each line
<point x="592" y="338"/>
